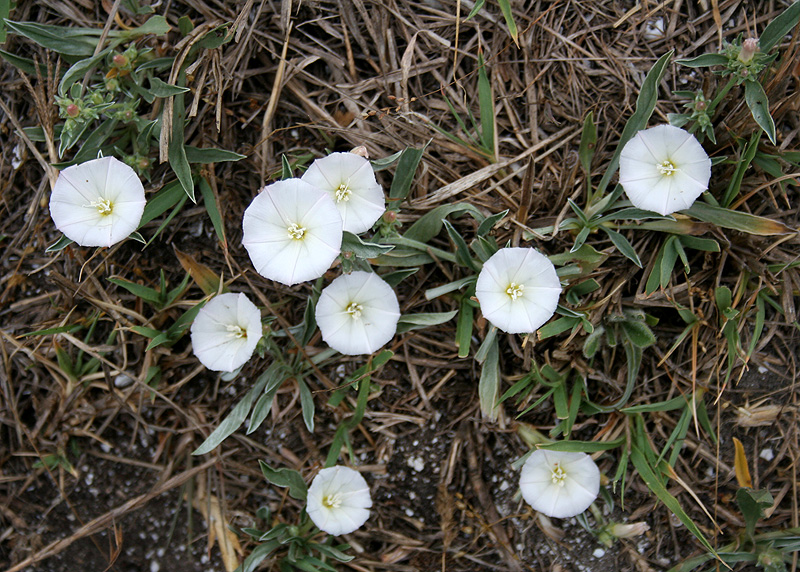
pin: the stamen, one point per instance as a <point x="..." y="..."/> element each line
<point x="332" y="501"/>
<point x="354" y="309"/>
<point x="296" y="231"/>
<point x="236" y="331"/>
<point x="667" y="168"/>
<point x="515" y="290"/>
<point x="559" y="476"/>
<point x="104" y="206"/>
<point x="343" y="192"/>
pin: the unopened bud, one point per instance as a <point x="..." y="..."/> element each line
<point x="361" y="151"/>
<point x="73" y="110"/>
<point x="144" y="163"/>
<point x="119" y="60"/>
<point x="749" y="49"/>
<point x="700" y="105"/>
<point x="390" y="216"/>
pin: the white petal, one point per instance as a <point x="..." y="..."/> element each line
<point x="645" y="185"/>
<point x="79" y="186"/>
<point x="273" y="252"/>
<point x="537" y="302"/>
<point x="375" y="326"/>
<point x="367" y="202"/>
<point x="352" y="494"/>
<point x="580" y="488"/>
<point x="214" y="344"/>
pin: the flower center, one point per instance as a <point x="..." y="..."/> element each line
<point x="354" y="309"/>
<point x="515" y="290"/>
<point x="332" y="501"/>
<point x="343" y="192"/>
<point x="296" y="231"/>
<point x="559" y="476"/>
<point x="236" y="331"/>
<point x="103" y="206"/>
<point x="667" y="168"/>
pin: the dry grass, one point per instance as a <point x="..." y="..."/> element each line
<point x="331" y="75"/>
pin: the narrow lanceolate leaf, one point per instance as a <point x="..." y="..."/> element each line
<point x="655" y="484"/>
<point x="759" y="107"/>
<point x="779" y="27"/>
<point x="736" y="220"/>
<point x="705" y="60"/>
<point x="486" y="104"/>
<point x="588" y="142"/>
<point x="505" y="7"/>
<point x="404" y="175"/>
<point x="284" y="477"/>
<point x="489" y="383"/>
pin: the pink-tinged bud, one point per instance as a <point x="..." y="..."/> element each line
<point x="119" y="60"/>
<point x="629" y="530"/>
<point x="144" y="163"/>
<point x="73" y="110"/>
<point x="749" y="49"/>
<point x="361" y="151"/>
<point x="389" y="216"/>
<point x="700" y="105"/>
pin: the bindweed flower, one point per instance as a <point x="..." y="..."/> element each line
<point x="292" y="232"/>
<point x="518" y="290"/>
<point x="748" y="51"/>
<point x="357" y="313"/>
<point x="350" y="180"/>
<point x="559" y="484"/>
<point x="97" y="203"/>
<point x="226" y="331"/>
<point x="664" y="169"/>
<point x="338" y="500"/>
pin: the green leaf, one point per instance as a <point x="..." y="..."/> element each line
<point x="68" y="41"/>
<point x="215" y="38"/>
<point x="505" y="7"/>
<point x="704" y="60"/>
<point x="353" y="243"/>
<point x="488" y="224"/>
<point x="60" y="244"/>
<point x="778" y="28"/>
<point x="489" y="382"/>
<point x="430" y="224"/>
<point x="284" y="477"/>
<point x="307" y="404"/>
<point x="462" y="251"/>
<point x="588" y="143"/>
<point x="475" y="9"/>
<point x="750" y="149"/>
<point x="210" y="203"/>
<point x="143" y="292"/>
<point x="169" y="196"/>
<point x="464" y="327"/>
<point x="447" y="288"/>
<point x="645" y="104"/>
<point x="156" y="25"/>
<point x="623" y="245"/>
<point x="736" y="220"/>
<point x="160" y="88"/>
<point x="234" y="419"/>
<point x="583" y="446"/>
<point x="211" y="155"/>
<point x="423" y="320"/>
<point x="25" y="65"/>
<point x="78" y="70"/>
<point x="752" y="504"/>
<point x="656" y="486"/>
<point x="486" y="99"/>
<point x="258" y="555"/>
<point x="404" y="174"/>
<point x="177" y="151"/>
<point x="756" y="100"/>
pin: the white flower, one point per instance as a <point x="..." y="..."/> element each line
<point x="338" y="500"/>
<point x="292" y="232"/>
<point x="350" y="180"/>
<point x="226" y="331"/>
<point x="559" y="484"/>
<point x="518" y="290"/>
<point x="664" y="169"/>
<point x="97" y="203"/>
<point x="357" y="313"/>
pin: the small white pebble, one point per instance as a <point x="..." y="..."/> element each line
<point x="409" y="512"/>
<point x="504" y="485"/>
<point x="598" y="553"/>
<point x="154" y="566"/>
<point x="416" y="463"/>
<point x="767" y="454"/>
<point x="654" y="29"/>
<point x="412" y="495"/>
<point x="762" y="369"/>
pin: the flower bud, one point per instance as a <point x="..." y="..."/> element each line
<point x="73" y="110"/>
<point x="119" y="60"/>
<point x="389" y="216"/>
<point x="749" y="49"/>
<point x="144" y="163"/>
